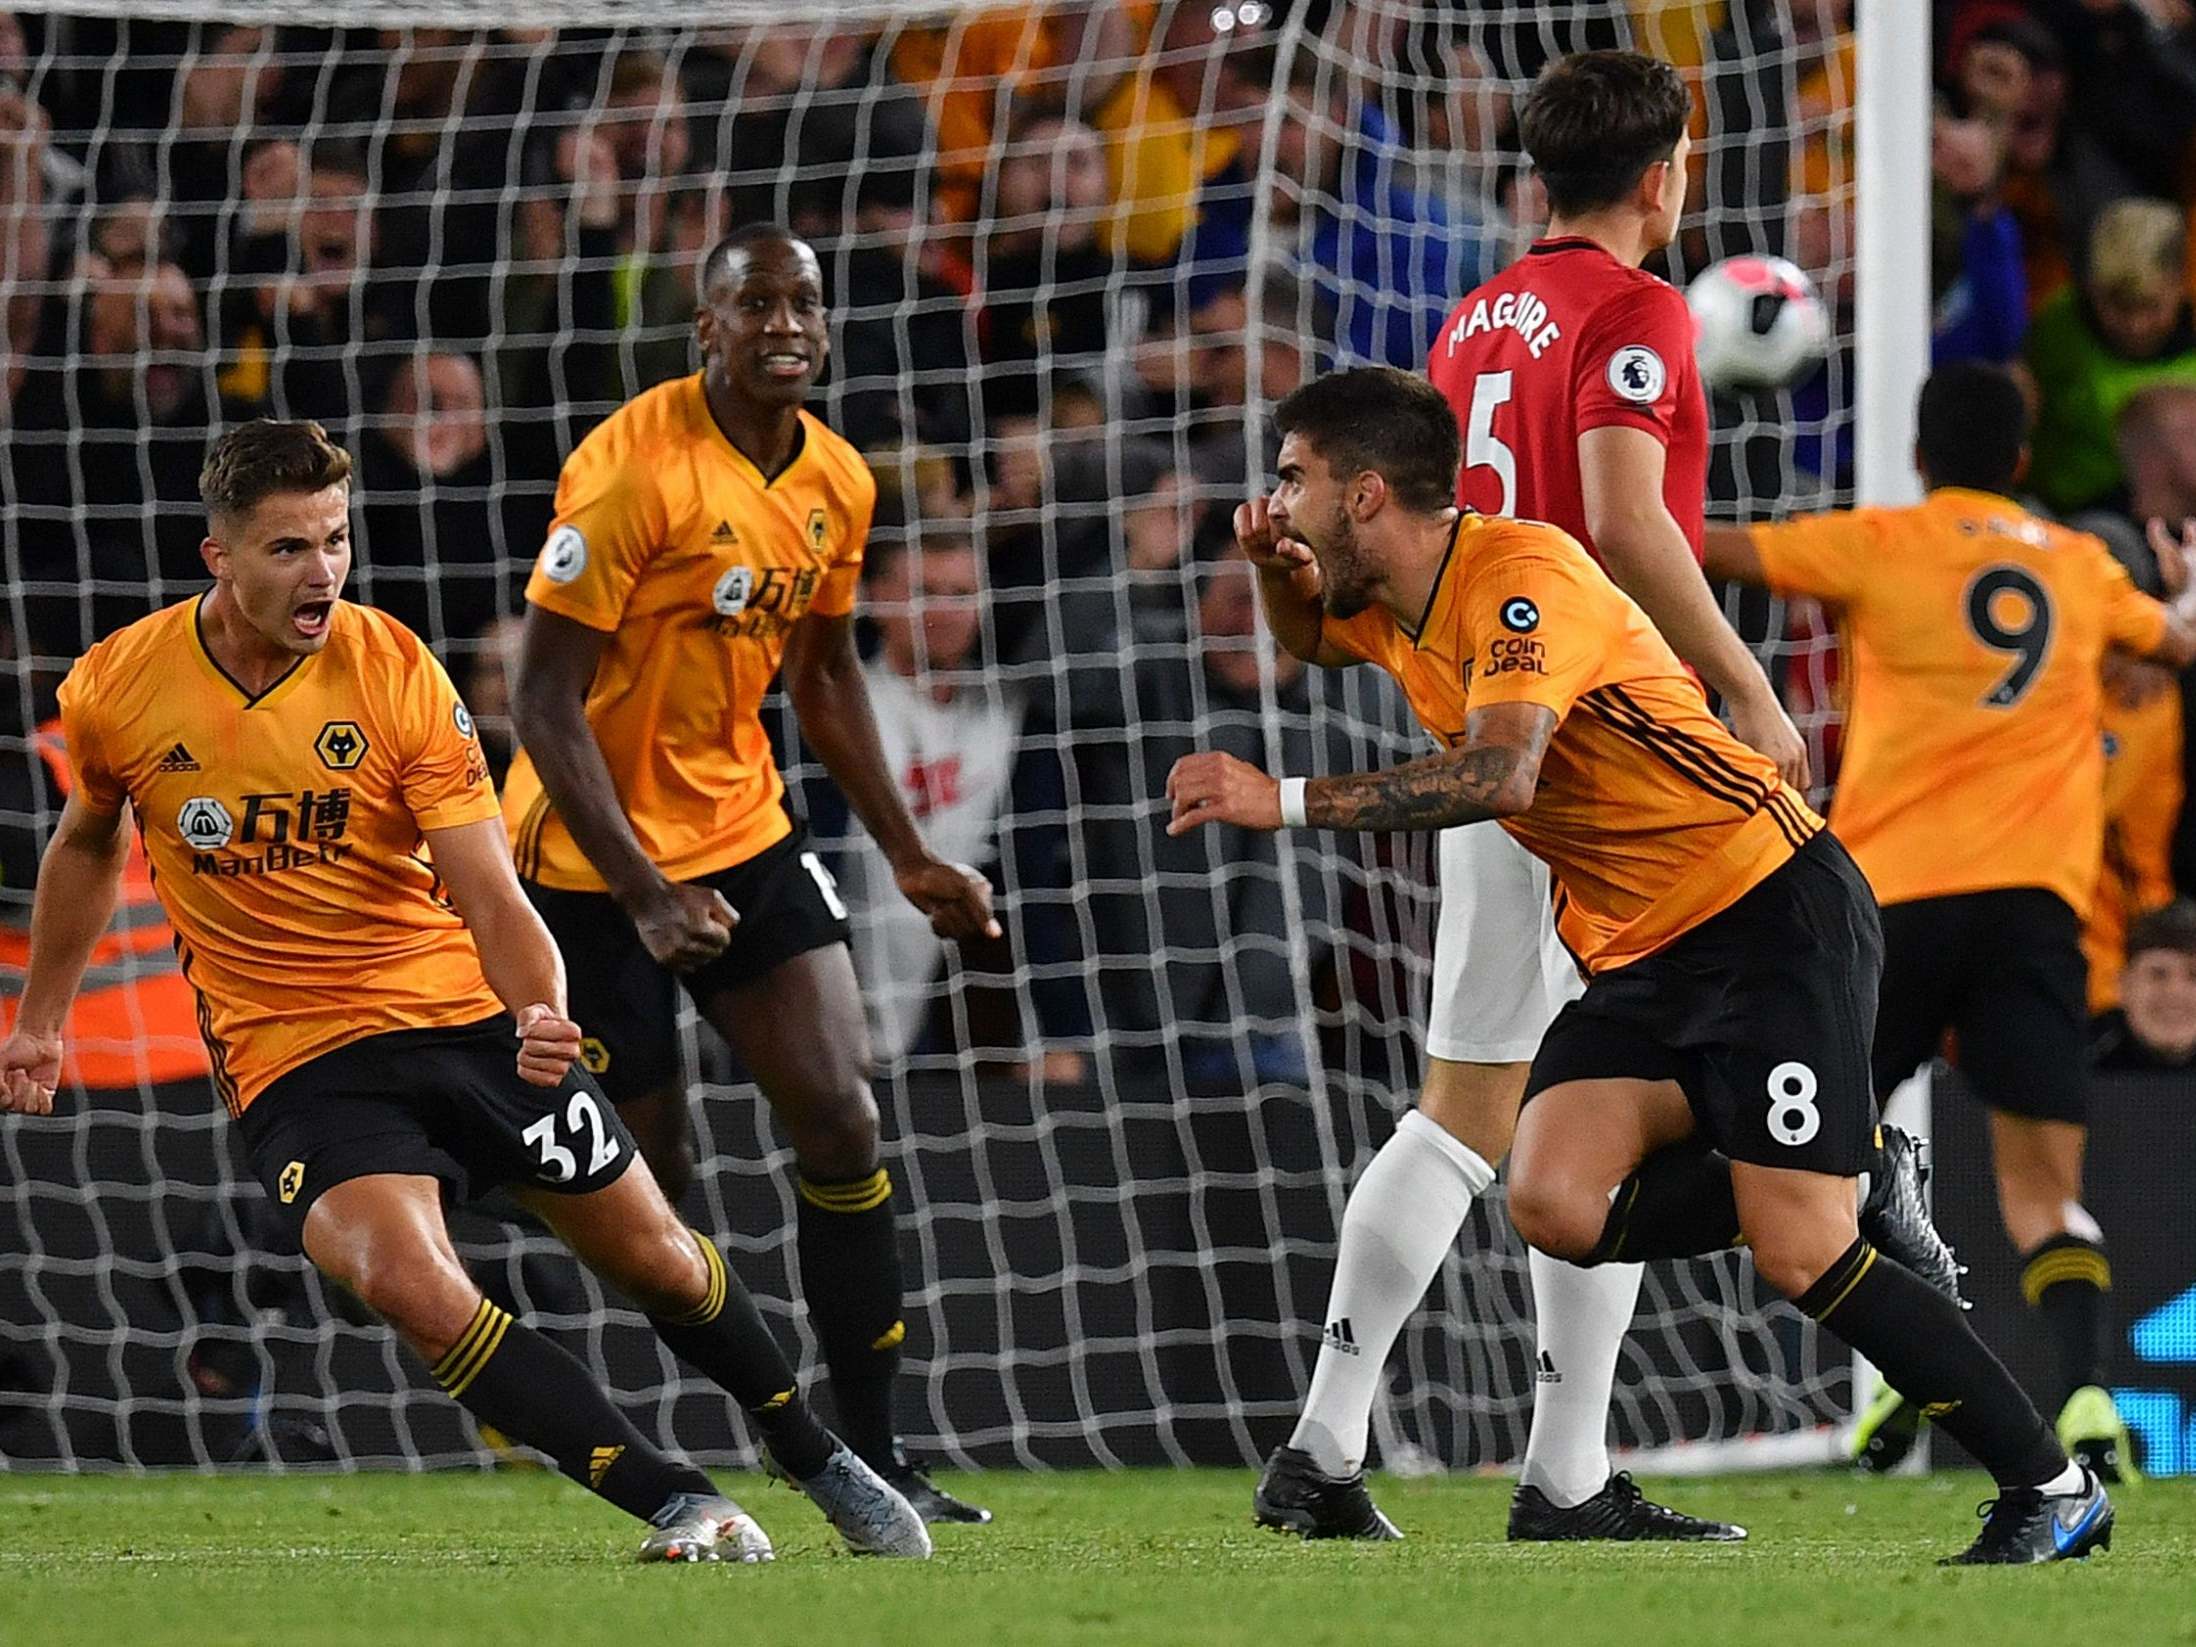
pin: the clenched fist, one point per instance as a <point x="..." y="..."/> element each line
<point x="548" y="1042"/>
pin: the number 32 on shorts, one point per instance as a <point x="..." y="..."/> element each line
<point x="559" y="1165"/>
<point x="1793" y="1118"/>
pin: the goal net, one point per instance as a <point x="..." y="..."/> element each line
<point x="1073" y="254"/>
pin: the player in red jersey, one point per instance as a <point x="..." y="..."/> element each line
<point x="1573" y="382"/>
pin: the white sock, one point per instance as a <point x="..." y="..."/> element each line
<point x="2068" y="1480"/>
<point x="1399" y="1223"/>
<point x="1582" y="1317"/>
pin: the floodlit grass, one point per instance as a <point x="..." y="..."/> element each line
<point x="1144" y="1557"/>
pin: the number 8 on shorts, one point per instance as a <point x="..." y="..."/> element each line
<point x="1793" y="1117"/>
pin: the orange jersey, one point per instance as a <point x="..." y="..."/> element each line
<point x="669" y="539"/>
<point x="1974" y="636"/>
<point x="2142" y="804"/>
<point x="1650" y="815"/>
<point x="285" y="832"/>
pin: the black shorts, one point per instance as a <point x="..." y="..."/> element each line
<point x="2004" y="971"/>
<point x="440" y="1103"/>
<point x="628" y="1006"/>
<point x="1761" y="1014"/>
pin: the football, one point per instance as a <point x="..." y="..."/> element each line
<point x="1757" y="324"/>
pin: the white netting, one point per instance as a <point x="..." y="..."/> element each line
<point x="1122" y="1138"/>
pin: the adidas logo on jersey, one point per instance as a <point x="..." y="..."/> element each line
<point x="177" y="759"/>
<point x="724" y="533"/>
<point x="1340" y="1339"/>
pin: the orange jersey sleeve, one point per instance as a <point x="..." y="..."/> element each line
<point x="610" y="523"/>
<point x="1536" y="632"/>
<point x="444" y="775"/>
<point x="842" y="580"/>
<point x="97" y="786"/>
<point x="2133" y="621"/>
<point x="1824" y="556"/>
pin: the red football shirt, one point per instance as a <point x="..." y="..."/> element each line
<point x="1565" y="340"/>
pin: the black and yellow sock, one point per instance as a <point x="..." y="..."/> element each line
<point x="514" y="1380"/>
<point x="1677" y="1205"/>
<point x="850" y="1278"/>
<point x="725" y="1338"/>
<point x="2065" y="1280"/>
<point x="1921" y="1342"/>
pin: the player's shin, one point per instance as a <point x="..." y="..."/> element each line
<point x="850" y="1278"/>
<point x="725" y="1338"/>
<point x="1400" y="1222"/>
<point x="511" y="1377"/>
<point x="2065" y="1280"/>
<point x="1581" y="1316"/>
<point x="1926" y="1350"/>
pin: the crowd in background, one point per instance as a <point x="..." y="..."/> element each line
<point x="1059" y="300"/>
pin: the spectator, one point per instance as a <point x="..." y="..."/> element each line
<point x="1178" y="119"/>
<point x="900" y="357"/>
<point x="983" y="68"/>
<point x="432" y="544"/>
<point x="2154" y="1026"/>
<point x="798" y="113"/>
<point x="952" y="736"/>
<point x="440" y="121"/>
<point x="2091" y="350"/>
<point x="106" y="452"/>
<point x="1385" y="259"/>
<point x="2008" y="70"/>
<point x="1043" y="275"/>
<point x="1977" y="281"/>
<point x="2133" y="69"/>
<point x="228" y="94"/>
<point x="26" y="252"/>
<point x="311" y="302"/>
<point x="2157" y="446"/>
<point x="549" y="374"/>
<point x="1195" y="930"/>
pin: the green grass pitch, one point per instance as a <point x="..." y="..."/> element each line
<point x="1143" y="1557"/>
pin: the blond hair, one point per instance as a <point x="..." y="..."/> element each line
<point x="2137" y="246"/>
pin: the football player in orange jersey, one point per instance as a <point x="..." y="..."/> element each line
<point x="706" y="532"/>
<point x="1972" y="794"/>
<point x="1713" y="1079"/>
<point x="384" y="1011"/>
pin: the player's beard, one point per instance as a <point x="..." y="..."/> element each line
<point x="1346" y="576"/>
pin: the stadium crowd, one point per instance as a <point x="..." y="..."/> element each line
<point x="1057" y="305"/>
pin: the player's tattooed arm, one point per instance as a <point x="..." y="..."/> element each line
<point x="1493" y="774"/>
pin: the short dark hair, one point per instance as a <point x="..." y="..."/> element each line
<point x="1971" y="426"/>
<point x="1392" y="422"/>
<point x="2173" y="927"/>
<point x="717" y="261"/>
<point x="1595" y="121"/>
<point x="254" y="461"/>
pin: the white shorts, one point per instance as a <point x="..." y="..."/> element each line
<point x="1500" y="973"/>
